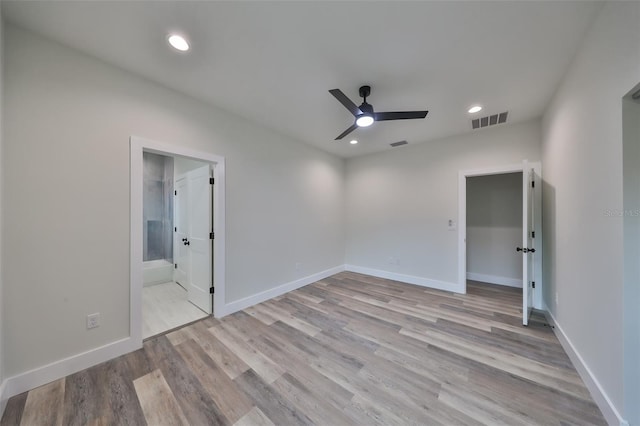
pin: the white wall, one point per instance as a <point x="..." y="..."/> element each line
<point x="68" y="122"/>
<point x="494" y="228"/>
<point x="631" y="221"/>
<point x="582" y="159"/>
<point x="399" y="202"/>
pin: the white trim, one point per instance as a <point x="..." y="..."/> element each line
<point x="611" y="414"/>
<point x="263" y="296"/>
<point x="409" y="279"/>
<point x="42" y="375"/>
<point x="462" y="212"/>
<point x="3" y="398"/>
<point x="462" y="222"/>
<point x="495" y="279"/>
<point x="56" y="370"/>
<point x="137" y="147"/>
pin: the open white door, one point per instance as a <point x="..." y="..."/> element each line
<point x="181" y="235"/>
<point x="528" y="250"/>
<point x="199" y="241"/>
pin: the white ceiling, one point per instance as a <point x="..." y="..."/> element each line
<point x="274" y="62"/>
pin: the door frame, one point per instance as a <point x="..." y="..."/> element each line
<point x="462" y="223"/>
<point x="139" y="145"/>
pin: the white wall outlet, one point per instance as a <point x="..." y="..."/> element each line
<point x="392" y="260"/>
<point x="93" y="320"/>
<point x="452" y="225"/>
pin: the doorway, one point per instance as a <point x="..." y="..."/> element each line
<point x="177" y="243"/>
<point x="199" y="178"/>
<point x="530" y="246"/>
<point x="494" y="229"/>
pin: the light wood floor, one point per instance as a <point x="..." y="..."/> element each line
<point x="349" y="349"/>
<point x="164" y="307"/>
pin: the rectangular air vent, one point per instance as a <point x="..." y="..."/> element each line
<point x="400" y="143"/>
<point x="489" y="120"/>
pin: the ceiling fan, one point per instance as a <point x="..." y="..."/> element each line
<point x="364" y="114"/>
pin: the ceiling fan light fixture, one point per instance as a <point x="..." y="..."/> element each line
<point x="353" y="142"/>
<point x="474" y="109"/>
<point x="364" y="120"/>
<point x="178" y="42"/>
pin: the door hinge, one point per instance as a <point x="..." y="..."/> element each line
<point x="175" y="266"/>
<point x="533" y="184"/>
<point x="175" y="229"/>
<point x="533" y="284"/>
<point x="211" y="290"/>
<point x="175" y="192"/>
<point x="212" y="235"/>
<point x="211" y="181"/>
<point x="533" y="234"/>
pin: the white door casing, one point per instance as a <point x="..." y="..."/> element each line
<point x="199" y="241"/>
<point x="139" y="145"/>
<point x="534" y="259"/>
<point x="527" y="228"/>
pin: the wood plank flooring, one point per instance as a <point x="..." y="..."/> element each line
<point x="347" y="350"/>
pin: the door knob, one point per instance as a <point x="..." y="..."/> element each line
<point x="186" y="243"/>
<point x="184" y="239"/>
<point x="520" y="249"/>
<point x="526" y="250"/>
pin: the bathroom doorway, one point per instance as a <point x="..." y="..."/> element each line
<point x="176" y="239"/>
<point x="177" y="249"/>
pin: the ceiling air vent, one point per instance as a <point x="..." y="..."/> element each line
<point x="400" y="143"/>
<point x="489" y="120"/>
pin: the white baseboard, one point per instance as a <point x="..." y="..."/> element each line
<point x="410" y="279"/>
<point x="611" y="414"/>
<point x="56" y="370"/>
<point x="241" y="304"/>
<point x="3" y="398"/>
<point x="495" y="279"/>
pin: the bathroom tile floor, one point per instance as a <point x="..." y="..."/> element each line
<point x="165" y="306"/>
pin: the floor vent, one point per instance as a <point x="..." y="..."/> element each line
<point x="400" y="143"/>
<point x="489" y="120"/>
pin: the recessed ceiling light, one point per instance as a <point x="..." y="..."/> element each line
<point x="475" y="109"/>
<point x="353" y="142"/>
<point x="178" y="42"/>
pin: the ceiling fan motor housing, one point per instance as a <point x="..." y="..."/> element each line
<point x="367" y="109"/>
<point x="365" y="91"/>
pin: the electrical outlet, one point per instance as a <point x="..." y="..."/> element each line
<point x="392" y="260"/>
<point x="452" y="225"/>
<point x="93" y="320"/>
<point x="298" y="266"/>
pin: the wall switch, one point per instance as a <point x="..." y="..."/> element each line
<point x="452" y="225"/>
<point x="93" y="320"/>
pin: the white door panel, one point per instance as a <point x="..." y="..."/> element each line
<point x="181" y="251"/>
<point x="528" y="221"/>
<point x="199" y="241"/>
